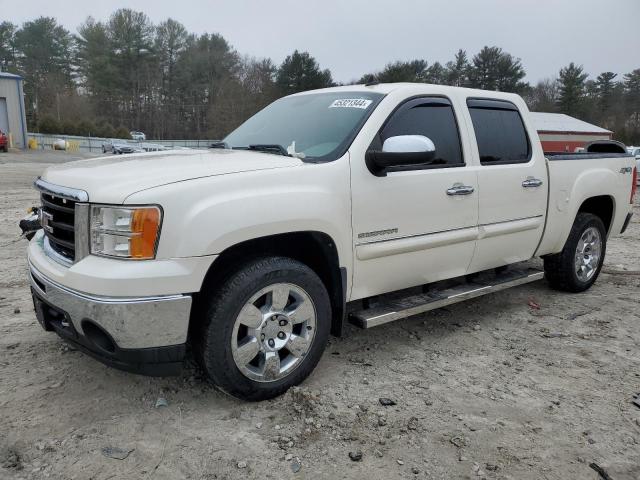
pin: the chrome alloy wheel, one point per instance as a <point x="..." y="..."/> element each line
<point x="273" y="332"/>
<point x="588" y="253"/>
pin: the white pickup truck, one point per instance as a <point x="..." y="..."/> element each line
<point x="321" y="204"/>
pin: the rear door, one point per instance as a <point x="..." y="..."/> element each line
<point x="512" y="182"/>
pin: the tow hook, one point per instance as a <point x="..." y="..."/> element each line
<point x="31" y="223"/>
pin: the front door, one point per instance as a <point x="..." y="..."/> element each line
<point x="416" y="224"/>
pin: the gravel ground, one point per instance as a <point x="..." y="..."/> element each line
<point x="493" y="388"/>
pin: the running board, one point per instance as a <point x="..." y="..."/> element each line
<point x="413" y="305"/>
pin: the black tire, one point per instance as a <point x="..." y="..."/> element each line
<point x="560" y="268"/>
<point x="212" y="337"/>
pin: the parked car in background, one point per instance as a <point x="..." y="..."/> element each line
<point x="155" y="147"/>
<point x="4" y="142"/>
<point x="138" y="136"/>
<point x="107" y="145"/>
<point x="120" y="147"/>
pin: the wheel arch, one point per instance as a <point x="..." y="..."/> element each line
<point x="602" y="206"/>
<point x="315" y="249"/>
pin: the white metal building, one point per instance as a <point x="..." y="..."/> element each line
<point x="561" y="133"/>
<point x="12" y="115"/>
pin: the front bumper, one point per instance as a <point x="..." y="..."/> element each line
<point x="100" y="326"/>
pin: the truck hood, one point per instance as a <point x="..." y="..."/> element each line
<point x="112" y="179"/>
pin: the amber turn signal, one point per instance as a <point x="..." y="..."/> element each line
<point x="145" y="226"/>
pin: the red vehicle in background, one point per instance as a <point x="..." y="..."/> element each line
<point x="4" y="142"/>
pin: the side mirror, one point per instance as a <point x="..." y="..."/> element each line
<point x="403" y="150"/>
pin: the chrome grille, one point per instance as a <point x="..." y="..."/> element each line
<point x="58" y="223"/>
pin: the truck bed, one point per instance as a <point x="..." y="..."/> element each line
<point x="553" y="156"/>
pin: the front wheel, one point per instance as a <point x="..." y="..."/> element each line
<point x="577" y="267"/>
<point x="264" y="329"/>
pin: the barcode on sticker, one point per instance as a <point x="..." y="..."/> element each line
<point x="351" y="103"/>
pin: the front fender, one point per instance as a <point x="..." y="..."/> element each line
<point x="208" y="215"/>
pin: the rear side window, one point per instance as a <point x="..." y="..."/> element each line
<point x="433" y="118"/>
<point x="500" y="132"/>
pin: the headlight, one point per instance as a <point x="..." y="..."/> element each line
<point x="125" y="232"/>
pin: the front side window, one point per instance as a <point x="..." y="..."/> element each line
<point x="431" y="117"/>
<point x="320" y="126"/>
<point x="500" y="132"/>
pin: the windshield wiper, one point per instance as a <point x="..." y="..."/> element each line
<point x="268" y="148"/>
<point x="220" y="144"/>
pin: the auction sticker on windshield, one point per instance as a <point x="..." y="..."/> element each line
<point x="362" y="103"/>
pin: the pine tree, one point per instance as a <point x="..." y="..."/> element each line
<point x="7" y="46"/>
<point x="632" y="101"/>
<point x="606" y="90"/>
<point x="494" y="69"/>
<point x="400" y="71"/>
<point x="44" y="50"/>
<point x="572" y="89"/>
<point x="300" y="72"/>
<point x="436" y="74"/>
<point x="457" y="71"/>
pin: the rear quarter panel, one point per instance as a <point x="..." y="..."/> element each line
<point x="571" y="182"/>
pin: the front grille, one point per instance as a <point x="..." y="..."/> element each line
<point x="58" y="222"/>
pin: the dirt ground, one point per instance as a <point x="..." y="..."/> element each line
<point x="492" y="388"/>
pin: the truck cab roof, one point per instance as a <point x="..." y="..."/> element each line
<point x="411" y="88"/>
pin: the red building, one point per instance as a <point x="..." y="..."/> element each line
<point x="561" y="133"/>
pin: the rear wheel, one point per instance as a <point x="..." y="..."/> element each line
<point x="577" y="267"/>
<point x="265" y="328"/>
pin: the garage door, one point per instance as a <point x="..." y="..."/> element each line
<point x="4" y="117"/>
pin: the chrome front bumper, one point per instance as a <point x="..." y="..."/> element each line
<point x="130" y="333"/>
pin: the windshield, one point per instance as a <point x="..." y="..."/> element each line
<point x="317" y="126"/>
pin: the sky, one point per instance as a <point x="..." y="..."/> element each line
<point x="353" y="37"/>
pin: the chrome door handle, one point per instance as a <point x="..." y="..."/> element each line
<point x="531" y="182"/>
<point x="460" y="189"/>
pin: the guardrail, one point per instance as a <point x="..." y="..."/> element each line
<point x="94" y="144"/>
